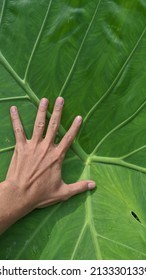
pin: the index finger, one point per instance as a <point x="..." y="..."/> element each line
<point x="70" y="135"/>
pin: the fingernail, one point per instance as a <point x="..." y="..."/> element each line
<point x="13" y="110"/>
<point x="79" y="119"/>
<point x="44" y="102"/>
<point x="91" y="185"/>
<point x="60" y="101"/>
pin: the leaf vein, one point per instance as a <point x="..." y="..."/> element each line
<point x="121" y="244"/>
<point x="79" y="50"/>
<point x="93" y="109"/>
<point x="37" y="41"/>
<point x="2" y="11"/>
<point x="119" y="126"/>
<point x="133" y="152"/>
<point x="42" y="223"/>
<point x="78" y="241"/>
<point x="118" y="162"/>
<point x="7" y="149"/>
<point x="14" y="98"/>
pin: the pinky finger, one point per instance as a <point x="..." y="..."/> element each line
<point x="17" y="125"/>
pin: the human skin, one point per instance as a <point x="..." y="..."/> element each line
<point x="34" y="176"/>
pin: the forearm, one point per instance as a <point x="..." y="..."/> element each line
<point x="13" y="205"/>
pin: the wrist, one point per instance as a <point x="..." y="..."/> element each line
<point x="13" y="204"/>
<point x="18" y="195"/>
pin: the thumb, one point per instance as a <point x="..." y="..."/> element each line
<point x="80" y="187"/>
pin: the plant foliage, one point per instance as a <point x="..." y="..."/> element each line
<point x="93" y="53"/>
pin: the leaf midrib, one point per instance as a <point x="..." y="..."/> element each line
<point x="89" y="219"/>
<point x="88" y="222"/>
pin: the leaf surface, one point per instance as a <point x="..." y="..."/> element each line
<point x="93" y="54"/>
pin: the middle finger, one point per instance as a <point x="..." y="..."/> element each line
<point x="40" y="121"/>
<point x="54" y="120"/>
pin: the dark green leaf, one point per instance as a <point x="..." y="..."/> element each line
<point x="92" y="53"/>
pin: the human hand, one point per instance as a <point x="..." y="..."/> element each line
<point x="35" y="168"/>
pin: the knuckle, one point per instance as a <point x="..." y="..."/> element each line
<point x="42" y="109"/>
<point x="15" y="118"/>
<point x="69" y="137"/>
<point x="20" y="147"/>
<point x="53" y="125"/>
<point x="58" y="156"/>
<point x="58" y="107"/>
<point x="53" y="156"/>
<point x="60" y="153"/>
<point x="18" y="130"/>
<point x="32" y="146"/>
<point x="66" y="196"/>
<point x="40" y="124"/>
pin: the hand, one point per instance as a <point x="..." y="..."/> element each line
<point x="35" y="168"/>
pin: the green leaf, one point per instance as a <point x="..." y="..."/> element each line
<point x="93" y="54"/>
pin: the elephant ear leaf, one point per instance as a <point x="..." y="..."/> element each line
<point x="93" y="54"/>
